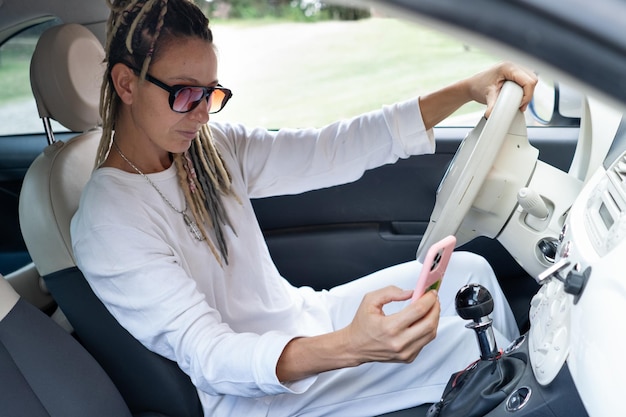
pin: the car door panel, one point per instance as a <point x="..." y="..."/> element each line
<point x="326" y="237"/>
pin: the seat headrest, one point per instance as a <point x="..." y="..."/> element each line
<point x="66" y="74"/>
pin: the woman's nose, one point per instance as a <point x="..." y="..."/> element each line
<point x="201" y="112"/>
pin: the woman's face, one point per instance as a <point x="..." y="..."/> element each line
<point x="183" y="61"/>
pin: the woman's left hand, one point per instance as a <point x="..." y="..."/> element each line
<point x="482" y="87"/>
<point x="485" y="86"/>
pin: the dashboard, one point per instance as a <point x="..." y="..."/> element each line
<point x="578" y="316"/>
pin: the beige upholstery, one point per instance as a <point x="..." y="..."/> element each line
<point x="66" y="74"/>
<point x="8" y="297"/>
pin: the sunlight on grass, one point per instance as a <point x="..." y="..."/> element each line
<point x="309" y="74"/>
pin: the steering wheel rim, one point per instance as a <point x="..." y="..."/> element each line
<point x="469" y="169"/>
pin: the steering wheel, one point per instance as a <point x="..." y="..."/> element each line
<point x="478" y="192"/>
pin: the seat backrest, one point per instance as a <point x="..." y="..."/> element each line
<point x="45" y="372"/>
<point x="66" y="72"/>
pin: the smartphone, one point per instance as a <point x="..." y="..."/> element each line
<point x="434" y="267"/>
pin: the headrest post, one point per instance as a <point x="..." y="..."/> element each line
<point x="48" y="128"/>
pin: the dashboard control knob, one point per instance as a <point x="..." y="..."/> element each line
<point x="575" y="283"/>
<point x="548" y="247"/>
<point x="518" y="399"/>
<point x="531" y="201"/>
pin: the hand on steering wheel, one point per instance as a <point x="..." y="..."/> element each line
<point x="478" y="192"/>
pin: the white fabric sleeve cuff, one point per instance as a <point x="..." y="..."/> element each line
<point x="407" y="128"/>
<point x="267" y="353"/>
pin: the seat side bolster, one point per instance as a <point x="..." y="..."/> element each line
<point x="8" y="297"/>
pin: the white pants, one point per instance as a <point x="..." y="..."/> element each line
<point x="377" y="388"/>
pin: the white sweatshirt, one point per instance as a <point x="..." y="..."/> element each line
<point x="226" y="326"/>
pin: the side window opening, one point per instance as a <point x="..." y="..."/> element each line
<point x="18" y="111"/>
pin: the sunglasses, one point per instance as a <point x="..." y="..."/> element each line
<point x="185" y="98"/>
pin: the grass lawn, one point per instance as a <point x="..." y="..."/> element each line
<point x="14" y="80"/>
<point x="308" y="74"/>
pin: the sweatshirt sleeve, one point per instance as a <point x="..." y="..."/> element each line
<point x="141" y="282"/>
<point x="291" y="161"/>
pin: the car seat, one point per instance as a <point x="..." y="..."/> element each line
<point x="45" y="372"/>
<point x="66" y="73"/>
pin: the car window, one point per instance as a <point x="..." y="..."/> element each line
<point x="287" y="73"/>
<point x="299" y="74"/>
<point x="18" y="111"/>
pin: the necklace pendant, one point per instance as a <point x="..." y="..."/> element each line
<point x="193" y="227"/>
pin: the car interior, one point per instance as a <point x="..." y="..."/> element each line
<point x="66" y="70"/>
<point x="99" y="369"/>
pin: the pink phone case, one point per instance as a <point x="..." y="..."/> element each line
<point x="435" y="265"/>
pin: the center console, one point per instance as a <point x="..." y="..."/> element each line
<point x="505" y="382"/>
<point x="570" y="363"/>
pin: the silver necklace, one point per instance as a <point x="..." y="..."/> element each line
<point x="193" y="227"/>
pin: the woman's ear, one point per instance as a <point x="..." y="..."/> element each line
<point x="124" y="81"/>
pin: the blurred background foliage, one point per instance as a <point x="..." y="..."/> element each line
<point x="296" y="10"/>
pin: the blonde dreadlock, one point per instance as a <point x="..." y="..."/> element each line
<point x="136" y="29"/>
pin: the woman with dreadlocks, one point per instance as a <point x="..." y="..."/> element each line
<point x="167" y="237"/>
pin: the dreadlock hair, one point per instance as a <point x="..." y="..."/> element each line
<point x="137" y="30"/>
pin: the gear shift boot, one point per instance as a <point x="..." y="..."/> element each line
<point x="485" y="384"/>
<point x="480" y="388"/>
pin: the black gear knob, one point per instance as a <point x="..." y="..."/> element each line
<point x="473" y="302"/>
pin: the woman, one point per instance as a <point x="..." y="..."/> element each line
<point x="167" y="237"/>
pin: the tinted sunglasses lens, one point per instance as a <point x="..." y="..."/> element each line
<point x="218" y="99"/>
<point x="187" y="98"/>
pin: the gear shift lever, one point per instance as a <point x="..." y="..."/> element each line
<point x="474" y="302"/>
<point x="484" y="385"/>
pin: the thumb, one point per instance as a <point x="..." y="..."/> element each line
<point x="492" y="97"/>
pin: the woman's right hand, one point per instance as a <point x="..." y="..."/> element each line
<point x="375" y="337"/>
<point x="372" y="336"/>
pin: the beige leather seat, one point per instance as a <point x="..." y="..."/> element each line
<point x="66" y="73"/>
